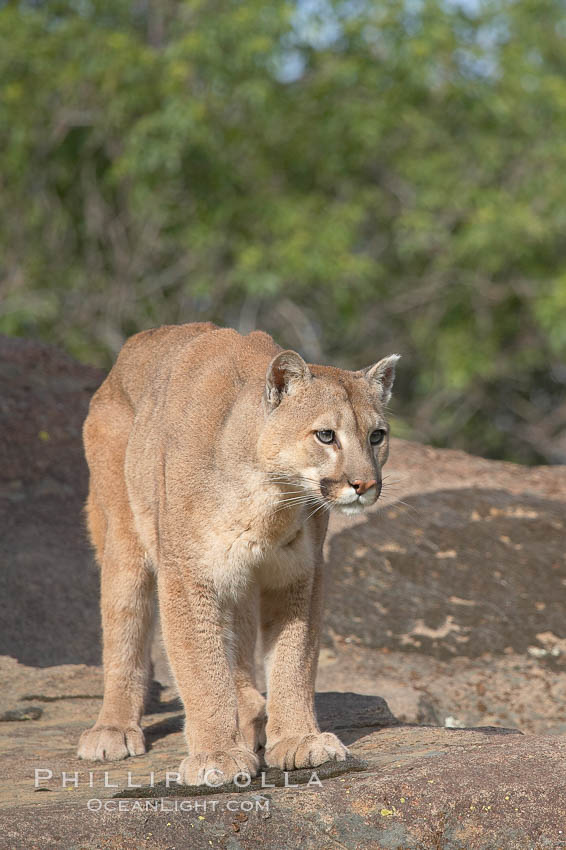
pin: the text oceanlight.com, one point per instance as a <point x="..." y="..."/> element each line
<point x="170" y="806"/>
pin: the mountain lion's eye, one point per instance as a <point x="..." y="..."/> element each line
<point x="326" y="437"/>
<point x="377" y="437"/>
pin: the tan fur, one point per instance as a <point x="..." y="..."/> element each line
<point x="208" y="483"/>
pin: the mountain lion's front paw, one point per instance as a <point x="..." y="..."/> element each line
<point x="111" y="743"/>
<point x="305" y="751"/>
<point x="218" y="768"/>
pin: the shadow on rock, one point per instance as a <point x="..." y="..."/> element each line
<point x="349" y="715"/>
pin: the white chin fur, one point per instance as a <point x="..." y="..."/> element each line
<point x="352" y="509"/>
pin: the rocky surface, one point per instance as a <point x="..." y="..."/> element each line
<point x="415" y="787"/>
<point x="418" y="785"/>
<point x="445" y="608"/>
<point x="48" y="583"/>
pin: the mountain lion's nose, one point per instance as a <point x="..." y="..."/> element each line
<point x="362" y="486"/>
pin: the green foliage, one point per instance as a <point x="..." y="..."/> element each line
<point x="355" y="178"/>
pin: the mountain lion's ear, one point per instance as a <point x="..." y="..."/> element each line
<point x="383" y="374"/>
<point x="285" y="372"/>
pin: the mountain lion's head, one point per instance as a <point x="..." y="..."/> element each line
<point x="325" y="438"/>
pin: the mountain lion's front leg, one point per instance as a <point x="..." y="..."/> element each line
<point x="193" y="634"/>
<point x="291" y="626"/>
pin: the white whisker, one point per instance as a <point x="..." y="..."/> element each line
<point x="298" y="500"/>
<point x="322" y="505"/>
<point x="295" y="503"/>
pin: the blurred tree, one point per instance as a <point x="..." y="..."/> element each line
<point x="354" y="177"/>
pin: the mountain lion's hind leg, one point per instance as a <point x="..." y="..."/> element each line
<point x="251" y="704"/>
<point x="127" y="603"/>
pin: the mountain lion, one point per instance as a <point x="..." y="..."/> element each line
<point x="214" y="460"/>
